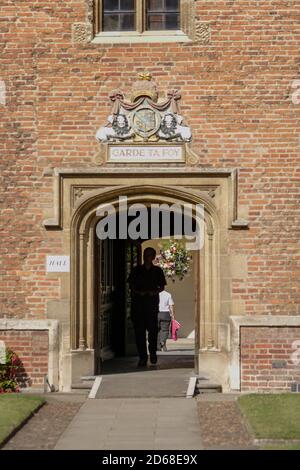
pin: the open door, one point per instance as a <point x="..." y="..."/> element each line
<point x="109" y="300"/>
<point x="104" y="302"/>
<point x="114" y="333"/>
<point x="133" y="258"/>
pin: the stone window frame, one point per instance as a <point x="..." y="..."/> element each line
<point x="187" y="32"/>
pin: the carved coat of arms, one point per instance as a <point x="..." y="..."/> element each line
<point x="144" y="118"/>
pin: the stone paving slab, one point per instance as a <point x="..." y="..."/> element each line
<point x="148" y="424"/>
<point x="121" y="378"/>
<point x="150" y="383"/>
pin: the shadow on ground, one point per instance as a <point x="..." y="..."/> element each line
<point x="122" y="365"/>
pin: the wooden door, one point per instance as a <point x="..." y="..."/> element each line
<point x="105" y="292"/>
<point x="133" y="258"/>
<point x="114" y="334"/>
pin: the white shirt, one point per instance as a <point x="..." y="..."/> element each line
<point x="165" y="300"/>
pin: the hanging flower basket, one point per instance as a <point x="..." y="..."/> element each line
<point x="174" y="260"/>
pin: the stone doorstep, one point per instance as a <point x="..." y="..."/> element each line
<point x="87" y="385"/>
<point x="206" y="386"/>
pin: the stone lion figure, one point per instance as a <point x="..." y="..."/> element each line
<point x="171" y="128"/>
<point x="117" y="128"/>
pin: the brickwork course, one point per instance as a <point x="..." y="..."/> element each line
<point x="238" y="95"/>
<point x="267" y="358"/>
<point x="31" y="348"/>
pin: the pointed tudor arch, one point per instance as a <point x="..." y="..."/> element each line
<point x="83" y="222"/>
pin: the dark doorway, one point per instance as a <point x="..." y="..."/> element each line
<point x="114" y="260"/>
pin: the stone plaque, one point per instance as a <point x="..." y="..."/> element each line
<point x="146" y="153"/>
<point x="58" y="264"/>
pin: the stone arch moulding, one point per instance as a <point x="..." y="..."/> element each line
<point x="78" y="193"/>
<point x="82" y="230"/>
<point x="79" y="181"/>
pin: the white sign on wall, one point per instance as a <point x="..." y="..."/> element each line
<point x="2" y="352"/>
<point x="146" y="153"/>
<point x="58" y="264"/>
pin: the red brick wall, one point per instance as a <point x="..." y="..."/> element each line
<point x="32" y="349"/>
<point x="261" y="349"/>
<point x="236" y="96"/>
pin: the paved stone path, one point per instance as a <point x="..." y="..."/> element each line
<point x="121" y="378"/>
<point x="147" y="383"/>
<point x="134" y="424"/>
<point x="137" y="409"/>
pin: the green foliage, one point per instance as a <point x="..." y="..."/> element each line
<point x="8" y="373"/>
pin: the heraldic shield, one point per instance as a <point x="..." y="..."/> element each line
<point x="144" y="117"/>
<point x="145" y="121"/>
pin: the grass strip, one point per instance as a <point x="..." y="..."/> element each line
<point x="272" y="416"/>
<point x="15" y="410"/>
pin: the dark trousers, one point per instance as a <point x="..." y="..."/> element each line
<point x="164" y="321"/>
<point x="144" y="318"/>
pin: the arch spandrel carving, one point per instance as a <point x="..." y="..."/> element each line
<point x="208" y="181"/>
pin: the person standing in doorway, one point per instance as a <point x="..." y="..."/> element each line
<point x="165" y="316"/>
<point x="146" y="282"/>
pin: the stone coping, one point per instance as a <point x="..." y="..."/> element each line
<point x="214" y="171"/>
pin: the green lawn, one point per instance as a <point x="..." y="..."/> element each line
<point x="14" y="409"/>
<point x="273" y="416"/>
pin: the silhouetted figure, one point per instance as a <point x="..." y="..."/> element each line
<point x="146" y="282"/>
